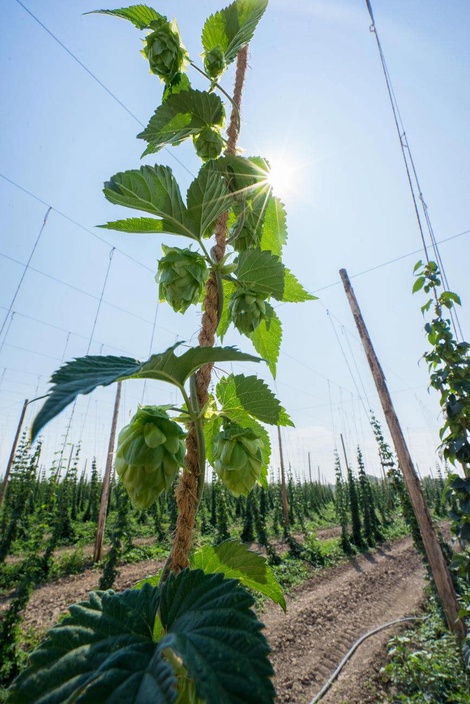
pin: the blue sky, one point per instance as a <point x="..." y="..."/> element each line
<point x="315" y="96"/>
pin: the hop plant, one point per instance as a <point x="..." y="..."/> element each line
<point x="208" y="143"/>
<point x="249" y="234"/>
<point x="247" y="309"/>
<point x="214" y="62"/>
<point x="149" y="453"/>
<point x="181" y="275"/>
<point x="238" y="457"/>
<point x="164" y="50"/>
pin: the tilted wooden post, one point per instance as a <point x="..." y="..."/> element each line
<point x="3" y="487"/>
<point x="285" y="504"/>
<point x="106" y="480"/>
<point x="433" y="550"/>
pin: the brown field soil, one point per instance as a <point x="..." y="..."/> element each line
<point x="325" y="616"/>
<point x="328" y="613"/>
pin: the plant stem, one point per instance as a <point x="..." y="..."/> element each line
<point x="189" y="490"/>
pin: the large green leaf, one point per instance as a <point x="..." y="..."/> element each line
<point x="235" y="560"/>
<point x="294" y="292"/>
<point x="274" y="232"/>
<point x="233" y="27"/>
<point x="237" y="414"/>
<point x="182" y="115"/>
<point x="103" y="652"/>
<point x="247" y="177"/>
<point x="155" y="190"/>
<point x="177" y="369"/>
<point x="207" y="198"/>
<point x="267" y="340"/>
<point x="137" y="225"/>
<point x="81" y="376"/>
<point x="256" y="398"/>
<point x="140" y="15"/>
<point x="261" y="271"/>
<point x="210" y="625"/>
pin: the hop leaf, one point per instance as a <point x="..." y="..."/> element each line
<point x="238" y="457"/>
<point x="165" y="51"/>
<point x="208" y="143"/>
<point x="149" y="453"/>
<point x="181" y="274"/>
<point x="214" y="62"/>
<point x="247" y="309"/>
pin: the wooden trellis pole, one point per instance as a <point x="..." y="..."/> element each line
<point x="106" y="480"/>
<point x="433" y="550"/>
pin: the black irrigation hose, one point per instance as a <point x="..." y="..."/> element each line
<point x="343" y="662"/>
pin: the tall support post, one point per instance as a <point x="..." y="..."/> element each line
<point x="106" y="480"/>
<point x="344" y="452"/>
<point x="434" y="553"/>
<point x="3" y="488"/>
<point x="309" y="468"/>
<point x="285" y="504"/>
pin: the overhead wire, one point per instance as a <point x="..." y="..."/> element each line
<point x="18" y="288"/>
<point x="95" y="78"/>
<point x="411" y="173"/>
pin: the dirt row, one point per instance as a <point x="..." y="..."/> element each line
<point x="328" y="614"/>
<point x="325" y="616"/>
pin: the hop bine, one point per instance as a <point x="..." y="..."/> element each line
<point x="150" y="451"/>
<point x="238" y="457"/>
<point x="181" y="276"/>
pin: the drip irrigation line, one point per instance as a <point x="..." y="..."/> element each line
<point x="411" y="173"/>
<point x="351" y="651"/>
<point x="12" y="303"/>
<point x="95" y="78"/>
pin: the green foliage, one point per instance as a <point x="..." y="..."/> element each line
<point x="235" y="561"/>
<point x="426" y="665"/>
<point x="448" y="362"/>
<point x="112" y="637"/>
<point x="83" y="375"/>
<point x="141" y="16"/>
<point x="254" y="396"/>
<point x="230" y="29"/>
<point x="186" y="114"/>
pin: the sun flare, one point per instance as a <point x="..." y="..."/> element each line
<point x="282" y="176"/>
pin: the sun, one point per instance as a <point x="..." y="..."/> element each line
<point x="282" y="176"/>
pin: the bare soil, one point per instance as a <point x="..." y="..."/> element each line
<point x="325" y="616"/>
<point x="330" y="612"/>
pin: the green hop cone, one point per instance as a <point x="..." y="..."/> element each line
<point x="150" y="451"/>
<point x="238" y="457"/>
<point x="214" y="63"/>
<point x="247" y="309"/>
<point x="181" y="276"/>
<point x="208" y="143"/>
<point x="164" y="51"/>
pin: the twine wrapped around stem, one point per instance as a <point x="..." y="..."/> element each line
<point x="188" y="489"/>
